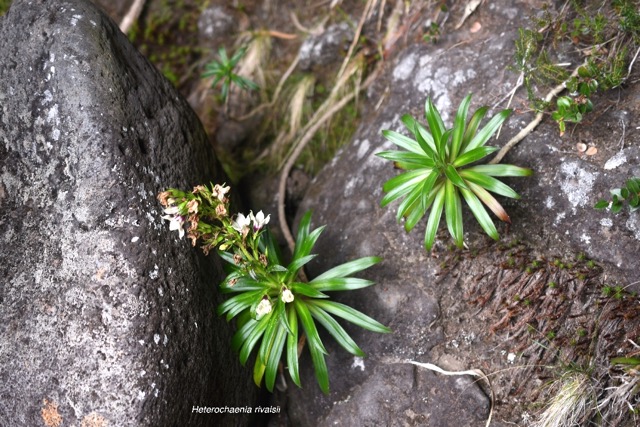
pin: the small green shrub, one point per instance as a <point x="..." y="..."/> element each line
<point x="630" y="193"/>
<point x="273" y="306"/>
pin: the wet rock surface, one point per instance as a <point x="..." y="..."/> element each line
<point x="105" y="316"/>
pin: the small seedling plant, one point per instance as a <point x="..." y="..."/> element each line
<point x="273" y="306"/>
<point x="222" y="70"/>
<point x="630" y="193"/>
<point x="438" y="172"/>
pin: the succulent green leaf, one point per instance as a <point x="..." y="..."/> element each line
<point x="336" y="331"/>
<point x="292" y="347"/>
<point x="601" y="204"/>
<point x="316" y="348"/>
<point x="489" y="183"/>
<point x="254" y="337"/>
<point x="480" y="213"/>
<point x="459" y="123"/>
<point x="453" y="212"/>
<point x="434" y="218"/>
<point x="306" y="290"/>
<point x="402" y="184"/>
<point x="473" y="156"/>
<point x="242" y="284"/>
<point x="419" y="160"/>
<point x="500" y="170"/>
<point x="424" y="138"/>
<point x="351" y="315"/>
<point x="274" y="358"/>
<point x="298" y="263"/>
<point x="409" y="203"/>
<point x="258" y="372"/>
<point x="403" y="141"/>
<point x="490" y="202"/>
<point x="269" y="247"/>
<point x="486" y="132"/>
<point x="443" y="147"/>
<point x="270" y="332"/>
<point x="454" y="177"/>
<point x="237" y="303"/>
<point x="472" y="127"/>
<point x="436" y="125"/>
<point x="422" y="203"/>
<point x="340" y="284"/>
<point x="347" y="268"/>
<point x="242" y="334"/>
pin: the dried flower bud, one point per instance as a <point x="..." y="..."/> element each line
<point x="199" y="189"/>
<point x="264" y="260"/>
<point x="264" y="307"/>
<point x="221" y="211"/>
<point x="163" y="198"/>
<point x="287" y="295"/>
<point x="192" y="206"/>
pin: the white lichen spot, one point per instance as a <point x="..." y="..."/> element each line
<point x="358" y="362"/>
<point x="404" y="69"/>
<point x="549" y="203"/>
<point x="363" y="149"/>
<point x="75" y="19"/>
<point x="156" y="338"/>
<point x="576" y="183"/>
<point x="134" y="239"/>
<point x="585" y="238"/>
<point x="615" y="161"/>
<point x="52" y="115"/>
<point x="165" y="340"/>
<point x="633" y="224"/>
<point x="141" y="395"/>
<point x="511" y="357"/>
<point x="141" y="342"/>
<point x="143" y="373"/>
<point x="153" y="274"/>
<point x="48" y="97"/>
<point x="107" y="317"/>
<point x="606" y="222"/>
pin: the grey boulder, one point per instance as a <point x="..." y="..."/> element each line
<point x="106" y="317"/>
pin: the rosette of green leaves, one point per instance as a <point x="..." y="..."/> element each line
<point x="279" y="331"/>
<point x="438" y="172"/>
<point x="223" y="70"/>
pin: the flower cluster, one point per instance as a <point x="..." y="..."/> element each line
<point x="204" y="213"/>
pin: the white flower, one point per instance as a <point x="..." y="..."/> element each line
<point x="175" y="224"/>
<point x="287" y="295"/>
<point x="176" y="221"/>
<point x="241" y="222"/>
<point x="171" y="210"/>
<point x="264" y="307"/>
<point x="259" y="220"/>
<point x="219" y="191"/>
